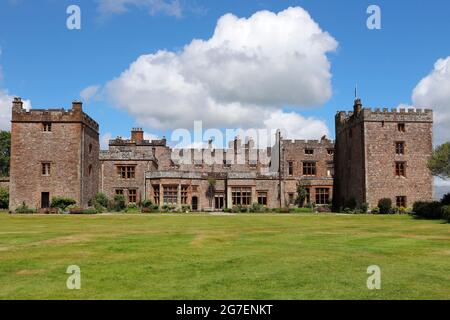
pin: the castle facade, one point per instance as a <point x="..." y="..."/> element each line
<point x="377" y="154"/>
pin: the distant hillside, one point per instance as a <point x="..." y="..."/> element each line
<point x="439" y="191"/>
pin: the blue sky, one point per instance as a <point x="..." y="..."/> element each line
<point x="44" y="62"/>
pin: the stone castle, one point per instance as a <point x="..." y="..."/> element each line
<point x="377" y="154"/>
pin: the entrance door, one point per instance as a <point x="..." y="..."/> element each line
<point x="218" y="202"/>
<point x="45" y="200"/>
<point x="194" y="203"/>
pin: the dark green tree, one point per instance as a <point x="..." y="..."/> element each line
<point x="439" y="163"/>
<point x="5" y="152"/>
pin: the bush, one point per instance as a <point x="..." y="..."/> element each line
<point x="185" y="208"/>
<point x="100" y="199"/>
<point x="90" y="211"/>
<point x="375" y="210"/>
<point x="428" y="210"/>
<point x="146" y="204"/>
<point x="257" y="208"/>
<point x="4" y="198"/>
<point x="227" y="210"/>
<point x="24" y="209"/>
<point x="445" y="212"/>
<point x="118" y="203"/>
<point x="445" y="201"/>
<point x="61" y="202"/>
<point x="385" y="205"/>
<point x="364" y="208"/>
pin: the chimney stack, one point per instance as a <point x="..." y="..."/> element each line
<point x="137" y="135"/>
<point x="17" y="104"/>
<point x="77" y="106"/>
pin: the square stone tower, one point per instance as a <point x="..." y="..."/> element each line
<point x="383" y="154"/>
<point x="54" y="152"/>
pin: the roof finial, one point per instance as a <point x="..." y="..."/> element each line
<point x="356" y="91"/>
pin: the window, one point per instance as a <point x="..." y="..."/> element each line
<point x="291" y="198"/>
<point x="90" y="170"/>
<point x="322" y="195"/>
<point x="119" y="192"/>
<point x="309" y="151"/>
<point x="309" y="168"/>
<point x="126" y="172"/>
<point x="291" y="168"/>
<point x="401" y="201"/>
<point x="194" y="188"/>
<point x="241" y="196"/>
<point x="184" y="194"/>
<point x="262" y="198"/>
<point x="330" y="152"/>
<point x="401" y="127"/>
<point x="47" y="127"/>
<point x="400" y="148"/>
<point x="330" y="169"/>
<point x="170" y="195"/>
<point x="46" y="168"/>
<point x="156" y="194"/>
<point x="308" y="195"/>
<point x="90" y="148"/>
<point x="132" y="198"/>
<point x="400" y="169"/>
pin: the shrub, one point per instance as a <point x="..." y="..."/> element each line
<point x="364" y="208"/>
<point x="4" y="198"/>
<point x="227" y="210"/>
<point x="186" y="208"/>
<point x="385" y="205"/>
<point x="428" y="210"/>
<point x="90" y="211"/>
<point x="23" y="208"/>
<point x="118" y="203"/>
<point x="101" y="199"/>
<point x="146" y="204"/>
<point x="76" y="210"/>
<point x="61" y="202"/>
<point x="445" y="201"/>
<point x="375" y="210"/>
<point x="445" y="212"/>
<point x="257" y="208"/>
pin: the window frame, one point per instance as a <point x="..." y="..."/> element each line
<point x="46" y="169"/>
<point x="400" y="168"/>
<point x="309" y="168"/>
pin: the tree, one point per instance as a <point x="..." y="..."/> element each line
<point x="301" y="195"/>
<point x="5" y="152"/>
<point x="211" y="191"/>
<point x="439" y="164"/>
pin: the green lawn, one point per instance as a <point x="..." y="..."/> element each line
<point x="301" y="256"/>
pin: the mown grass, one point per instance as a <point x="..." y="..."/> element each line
<point x="168" y="256"/>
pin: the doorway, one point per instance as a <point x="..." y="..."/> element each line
<point x="194" y="203"/>
<point x="45" y="200"/>
<point x="219" y="201"/>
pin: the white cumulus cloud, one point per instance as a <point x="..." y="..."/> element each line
<point x="433" y="92"/>
<point x="241" y="77"/>
<point x="88" y="93"/>
<point x="5" y="109"/>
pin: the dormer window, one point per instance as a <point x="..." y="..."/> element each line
<point x="47" y="127"/>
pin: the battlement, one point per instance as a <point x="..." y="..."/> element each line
<point x="119" y="141"/>
<point x="75" y="114"/>
<point x="384" y="114"/>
